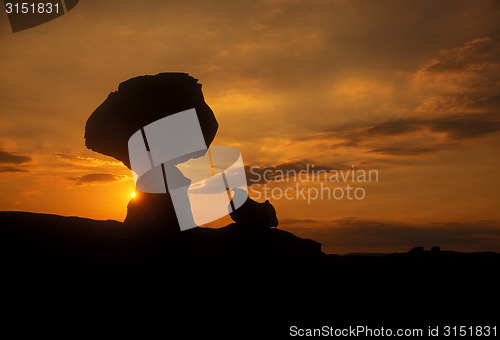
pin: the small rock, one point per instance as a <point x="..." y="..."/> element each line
<point x="417" y="251"/>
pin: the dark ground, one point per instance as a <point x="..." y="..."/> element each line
<point x="102" y="277"/>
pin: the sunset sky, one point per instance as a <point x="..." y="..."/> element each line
<point x="408" y="88"/>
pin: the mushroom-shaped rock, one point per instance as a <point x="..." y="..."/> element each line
<point x="138" y="102"/>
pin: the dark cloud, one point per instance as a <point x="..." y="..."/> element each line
<point x="394" y="128"/>
<point x="289" y="221"/>
<point x="349" y="234"/>
<point x="11" y="169"/>
<point x="98" y="178"/>
<point x="468" y="56"/>
<point x="472" y="126"/>
<point x="412" y="151"/>
<point x="440" y="133"/>
<point x="490" y="104"/>
<point x="11" y="158"/>
<point x="455" y="127"/>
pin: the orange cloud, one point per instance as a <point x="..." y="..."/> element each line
<point x="97" y="178"/>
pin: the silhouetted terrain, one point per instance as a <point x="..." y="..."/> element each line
<point x="238" y="278"/>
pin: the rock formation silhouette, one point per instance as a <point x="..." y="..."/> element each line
<point x="435" y="249"/>
<point x="253" y="213"/>
<point x="143" y="100"/>
<point x="138" y="102"/>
